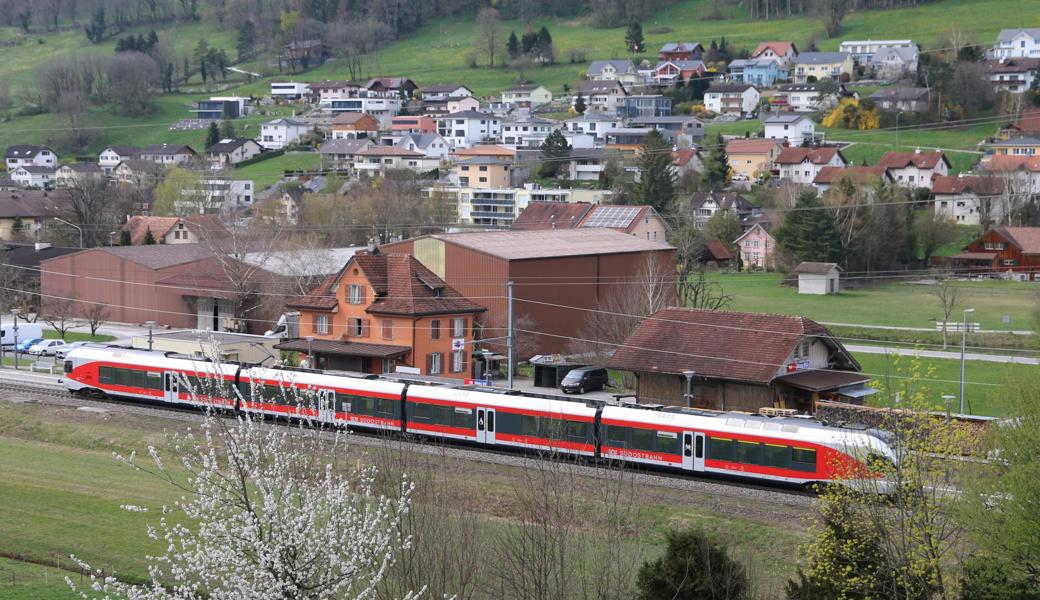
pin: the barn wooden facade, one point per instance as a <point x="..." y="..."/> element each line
<point x="1001" y="250"/>
<point x="738" y="361"/>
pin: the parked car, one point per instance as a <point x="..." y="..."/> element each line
<point x="46" y="347"/>
<point x="61" y="351"/>
<point x="24" y="345"/>
<point x="584" y="379"/>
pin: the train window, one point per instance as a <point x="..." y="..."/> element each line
<point x="491" y="421"/>
<point x="576" y="430"/>
<point x="464" y="417"/>
<point x="643" y="439"/>
<point x="529" y="425"/>
<point x="552" y="429"/>
<point x="68" y="366"/>
<point x="422" y="412"/>
<point x="774" y="455"/>
<point x="700" y="447"/>
<point x="386" y="407"/>
<point x="139" y="379"/>
<point x="105" y="375"/>
<point x="667" y="442"/>
<point x="749" y="453"/>
<point x="803" y="459"/>
<point x="154" y="380"/>
<point x="721" y="448"/>
<point x="122" y="377"/>
<point x="617" y="436"/>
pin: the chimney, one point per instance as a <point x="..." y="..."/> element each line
<point x="42" y="246"/>
<point x="373" y="246"/>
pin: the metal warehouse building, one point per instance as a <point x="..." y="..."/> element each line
<point x="551" y="269"/>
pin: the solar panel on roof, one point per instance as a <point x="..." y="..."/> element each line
<point x="612" y="216"/>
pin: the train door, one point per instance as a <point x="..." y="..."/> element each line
<point x="486" y="425"/>
<point x="693" y="451"/>
<point x="171" y="387"/>
<point x="326" y="406"/>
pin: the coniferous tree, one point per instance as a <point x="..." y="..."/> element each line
<point x="544" y="44"/>
<point x="716" y="171"/>
<point x="554" y="150"/>
<point x="227" y="130"/>
<point x="124" y="238"/>
<point x="529" y="42"/>
<point x="149" y="239"/>
<point x="656" y="177"/>
<point x="167" y="78"/>
<point x="809" y="232"/>
<point x="693" y="567"/>
<point x="634" y="37"/>
<point x="212" y="134"/>
<point x="513" y="45"/>
<point x="579" y="104"/>
<point x="246" y="40"/>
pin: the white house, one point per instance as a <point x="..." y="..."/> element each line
<point x="327" y="91"/>
<point x="1017" y="43"/>
<point x="792" y="128"/>
<point x="442" y="91"/>
<point x="461" y="104"/>
<point x="594" y="124"/>
<point x="526" y="96"/>
<point x="602" y="96"/>
<point x="969" y="200"/>
<point x="863" y="51"/>
<point x="431" y="145"/>
<point x="802" y="165"/>
<point x="279" y="133"/>
<point x="818" y="278"/>
<point x="289" y="90"/>
<point x="732" y="99"/>
<point x="70" y="174"/>
<point x="168" y="154"/>
<point x="1015" y="75"/>
<point x="340" y="154"/>
<point x="527" y="132"/>
<point x="231" y="151"/>
<point x="384" y="109"/>
<point x="915" y="169"/>
<point x="464" y="129"/>
<point x="32" y="176"/>
<point x="111" y="156"/>
<point x="228" y="194"/>
<point x="891" y="64"/>
<point x="785" y="52"/>
<point x="613" y="70"/>
<point x="376" y="160"/>
<point x="799" y="97"/>
<point x="587" y="164"/>
<point x="29" y="155"/>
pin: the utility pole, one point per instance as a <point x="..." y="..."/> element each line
<point x="509" y="339"/>
<point x="964" y="338"/>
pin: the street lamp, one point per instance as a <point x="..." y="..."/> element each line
<point x="150" y="325"/>
<point x="948" y="400"/>
<point x="964" y="338"/>
<point x="111" y="238"/>
<point x="311" y="363"/>
<point x="78" y="228"/>
<point x="487" y="363"/>
<point x="688" y="396"/>
<point x="14" y="313"/>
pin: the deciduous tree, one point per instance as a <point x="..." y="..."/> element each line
<point x="489" y="33"/>
<point x="716" y="172"/>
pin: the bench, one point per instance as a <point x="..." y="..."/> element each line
<point x="956" y="326"/>
<point x="42" y="366"/>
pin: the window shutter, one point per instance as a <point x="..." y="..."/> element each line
<point x="361" y="294"/>
<point x="462" y="367"/>
<point x="365" y="327"/>
<point x="429" y="364"/>
<point x="314" y="323"/>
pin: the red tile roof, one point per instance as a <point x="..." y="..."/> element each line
<point x="1026" y="238"/>
<point x="1028" y="121"/>
<point x="778" y="48"/>
<point x="751" y="146"/>
<point x="551" y="215"/>
<point x="683" y="156"/>
<point x="1003" y="163"/>
<point x="951" y="184"/>
<point x="403" y="286"/>
<point x="718" y="251"/>
<point x="829" y="175"/>
<point x="737" y="346"/>
<point x="921" y="160"/>
<point x="817" y="156"/>
<point x="201" y="225"/>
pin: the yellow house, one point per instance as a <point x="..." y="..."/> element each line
<point x="484" y="172"/>
<point x="22" y="212"/>
<point x="1019" y="146"/>
<point x="822" y="65"/>
<point x="751" y="158"/>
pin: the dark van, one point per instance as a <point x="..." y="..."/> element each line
<point x="584" y="379"/>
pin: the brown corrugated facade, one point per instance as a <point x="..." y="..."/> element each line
<point x="127" y="288"/>
<point x="552" y="294"/>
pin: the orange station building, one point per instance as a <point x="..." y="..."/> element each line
<point x="382" y="311"/>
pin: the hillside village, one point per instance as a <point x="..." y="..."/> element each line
<point x="752" y="230"/>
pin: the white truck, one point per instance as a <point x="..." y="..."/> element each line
<point x="26" y="331"/>
<point x="287" y="327"/>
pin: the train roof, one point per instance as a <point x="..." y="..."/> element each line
<point x="150" y="358"/>
<point x="319" y="379"/>
<point x="497" y="400"/>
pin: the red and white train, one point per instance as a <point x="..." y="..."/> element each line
<point x="789" y="450"/>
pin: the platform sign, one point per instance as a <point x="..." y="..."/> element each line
<point x="458" y="344"/>
<point x="483" y="382"/>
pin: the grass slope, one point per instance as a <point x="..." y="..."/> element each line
<point x="761" y="292"/>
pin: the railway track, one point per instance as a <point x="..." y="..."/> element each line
<point x="46" y="391"/>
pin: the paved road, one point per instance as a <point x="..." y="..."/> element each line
<point x="996" y="358"/>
